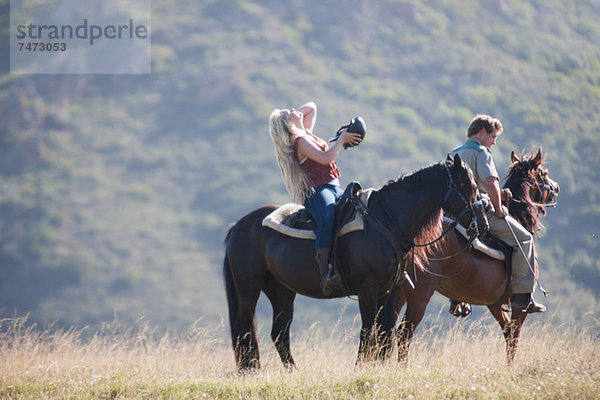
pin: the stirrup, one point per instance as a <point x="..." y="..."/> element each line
<point x="460" y="309"/>
<point x="330" y="282"/>
<point x="527" y="306"/>
<point x="533" y="307"/>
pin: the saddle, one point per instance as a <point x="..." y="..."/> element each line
<point x="489" y="245"/>
<point x="492" y="247"/>
<point x="295" y="221"/>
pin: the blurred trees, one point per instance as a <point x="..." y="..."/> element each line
<point x="116" y="191"/>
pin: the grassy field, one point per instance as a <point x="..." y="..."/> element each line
<point x="462" y="361"/>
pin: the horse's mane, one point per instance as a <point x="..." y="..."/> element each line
<point x="410" y="182"/>
<point x="525" y="210"/>
<point x="428" y="233"/>
<point x="432" y="229"/>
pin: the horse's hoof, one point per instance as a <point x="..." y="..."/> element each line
<point x="289" y="367"/>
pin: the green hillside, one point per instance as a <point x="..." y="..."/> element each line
<point x="116" y="190"/>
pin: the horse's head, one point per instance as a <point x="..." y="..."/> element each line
<point x="532" y="189"/>
<point x="530" y="170"/>
<point x="461" y="199"/>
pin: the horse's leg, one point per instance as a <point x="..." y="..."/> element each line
<point x="282" y="301"/>
<point x="511" y="328"/>
<point x="504" y="322"/>
<point x="386" y="321"/>
<point x="416" y="304"/>
<point x="513" y="333"/>
<point x="381" y="341"/>
<point x="246" y="350"/>
<point x="500" y="316"/>
<point x="367" y="303"/>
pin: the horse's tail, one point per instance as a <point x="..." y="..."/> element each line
<point x="232" y="295"/>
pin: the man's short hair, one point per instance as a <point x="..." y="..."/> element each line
<point x="486" y="122"/>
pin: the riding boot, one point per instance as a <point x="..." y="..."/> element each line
<point x="524" y="302"/>
<point x="330" y="279"/>
<point x="460" y="309"/>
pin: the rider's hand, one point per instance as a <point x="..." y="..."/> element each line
<point x="502" y="212"/>
<point x="506" y="195"/>
<point x="350" y="138"/>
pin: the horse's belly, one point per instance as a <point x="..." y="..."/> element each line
<point x="292" y="262"/>
<point x="484" y="284"/>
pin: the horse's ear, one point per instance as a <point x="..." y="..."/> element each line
<point x="457" y="162"/>
<point x="448" y="157"/>
<point x="513" y="157"/>
<point x="538" y="158"/>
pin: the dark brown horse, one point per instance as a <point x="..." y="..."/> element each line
<point x="468" y="275"/>
<point x="258" y="258"/>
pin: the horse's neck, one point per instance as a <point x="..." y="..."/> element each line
<point x="409" y="210"/>
<point x="525" y="216"/>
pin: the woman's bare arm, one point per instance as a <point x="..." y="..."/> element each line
<point x="309" y="111"/>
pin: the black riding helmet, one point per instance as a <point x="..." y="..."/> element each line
<point x="356" y="125"/>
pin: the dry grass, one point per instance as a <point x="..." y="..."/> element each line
<point x="465" y="361"/>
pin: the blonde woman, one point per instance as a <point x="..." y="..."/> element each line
<point x="311" y="175"/>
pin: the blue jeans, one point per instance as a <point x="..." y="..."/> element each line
<point x="321" y="206"/>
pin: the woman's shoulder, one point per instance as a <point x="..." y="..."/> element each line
<point x="306" y="136"/>
<point x="315" y="138"/>
<point x="298" y="138"/>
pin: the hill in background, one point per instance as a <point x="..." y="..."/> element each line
<point x="116" y="191"/>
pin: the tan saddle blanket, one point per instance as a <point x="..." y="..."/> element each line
<point x="279" y="220"/>
<point x="478" y="244"/>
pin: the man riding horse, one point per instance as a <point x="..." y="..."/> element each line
<point x="476" y="152"/>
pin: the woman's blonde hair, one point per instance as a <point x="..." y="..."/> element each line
<point x="297" y="182"/>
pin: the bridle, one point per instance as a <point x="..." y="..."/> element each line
<point x="393" y="239"/>
<point x="545" y="190"/>
<point x="473" y="227"/>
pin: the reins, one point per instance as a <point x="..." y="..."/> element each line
<point x="544" y="186"/>
<point x="453" y="255"/>
<point x="424" y="268"/>
<point x="539" y="285"/>
<point x="460" y="271"/>
<point x="393" y="239"/>
<point x="452" y="187"/>
<point x="535" y="203"/>
<point x="540" y="188"/>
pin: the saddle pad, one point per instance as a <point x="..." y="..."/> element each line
<point x="478" y="244"/>
<point x="274" y="219"/>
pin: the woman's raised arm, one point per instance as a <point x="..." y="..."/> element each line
<point x="309" y="110"/>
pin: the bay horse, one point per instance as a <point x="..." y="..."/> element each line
<point x="471" y="276"/>
<point x="258" y="258"/>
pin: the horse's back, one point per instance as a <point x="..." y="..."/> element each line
<point x="250" y="223"/>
